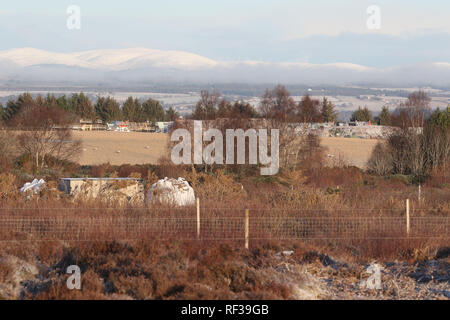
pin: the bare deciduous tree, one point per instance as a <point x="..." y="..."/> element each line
<point x="380" y="161"/>
<point x="206" y="108"/>
<point x="308" y="110"/>
<point x="45" y="133"/>
<point x="278" y="104"/>
<point x="413" y="112"/>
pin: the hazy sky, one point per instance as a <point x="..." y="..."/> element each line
<point x="320" y="31"/>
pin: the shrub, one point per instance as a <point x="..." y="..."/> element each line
<point x="7" y="150"/>
<point x="8" y="185"/>
<point x="380" y="162"/>
<point x="405" y="179"/>
<point x="414" y="150"/>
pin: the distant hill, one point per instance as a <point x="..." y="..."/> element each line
<point x="137" y="66"/>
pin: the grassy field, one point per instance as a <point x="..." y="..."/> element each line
<point x="140" y="148"/>
<point x="121" y="147"/>
<point x="351" y="150"/>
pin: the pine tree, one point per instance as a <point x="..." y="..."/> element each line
<point x="13" y="107"/>
<point x="153" y="111"/>
<point x="50" y="99"/>
<point x="384" y="119"/>
<point x="108" y="109"/>
<point x="81" y="106"/>
<point x="243" y="110"/>
<point x="440" y="118"/>
<point x="362" y="114"/>
<point x="63" y="103"/>
<point x="132" y="110"/>
<point x="329" y="114"/>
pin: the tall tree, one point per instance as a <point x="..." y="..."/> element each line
<point x="413" y="112"/>
<point x="39" y="137"/>
<point x="384" y="119"/>
<point x="108" y="109"/>
<point x="132" y="110"/>
<point x="224" y="110"/>
<point x="417" y="107"/>
<point x="308" y="110"/>
<point x="328" y="111"/>
<point x="436" y="141"/>
<point x="1" y="111"/>
<point x="62" y="102"/>
<point x="207" y="107"/>
<point x="440" y="118"/>
<point x="153" y="111"/>
<point x="362" y="114"/>
<point x="242" y="109"/>
<point x="278" y="104"/>
<point x="416" y="152"/>
<point x="14" y="106"/>
<point x="51" y="99"/>
<point x="236" y="110"/>
<point x="81" y="106"/>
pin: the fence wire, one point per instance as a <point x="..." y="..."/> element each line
<point x="147" y="227"/>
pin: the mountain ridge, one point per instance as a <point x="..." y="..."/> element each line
<point x="144" y="64"/>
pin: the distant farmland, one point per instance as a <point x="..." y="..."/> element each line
<point x="353" y="151"/>
<point x="121" y="147"/>
<point x="139" y="148"/>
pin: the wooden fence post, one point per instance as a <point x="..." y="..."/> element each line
<point x="246" y="228"/>
<point x="198" y="219"/>
<point x="407" y="217"/>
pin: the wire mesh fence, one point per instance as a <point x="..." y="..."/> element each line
<point x="16" y="225"/>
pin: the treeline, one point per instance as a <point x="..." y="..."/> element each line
<point x="278" y="103"/>
<point x="385" y="118"/>
<point x="412" y="113"/>
<point x="106" y="109"/>
<point x="275" y="104"/>
<point x="419" y="147"/>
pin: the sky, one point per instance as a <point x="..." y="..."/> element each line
<point x="319" y="32"/>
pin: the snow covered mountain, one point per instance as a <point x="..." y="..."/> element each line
<point x="121" y="59"/>
<point x="142" y="64"/>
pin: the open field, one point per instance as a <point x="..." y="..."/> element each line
<point x="351" y="150"/>
<point x="139" y="148"/>
<point x="121" y="147"/>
